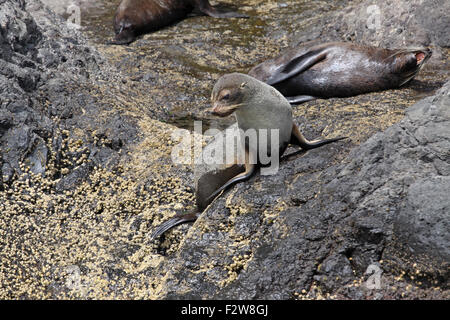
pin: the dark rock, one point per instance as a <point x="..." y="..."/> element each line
<point x="41" y="62"/>
<point x="391" y="24"/>
<point x="6" y="121"/>
<point x="422" y="224"/>
<point x="37" y="156"/>
<point x="75" y="177"/>
<point x="318" y="228"/>
<point x="389" y="193"/>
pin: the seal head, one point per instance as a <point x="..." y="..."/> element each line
<point x="407" y="63"/>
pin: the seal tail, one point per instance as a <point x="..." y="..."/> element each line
<point x="175" y="221"/>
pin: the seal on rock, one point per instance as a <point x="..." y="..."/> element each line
<point x="135" y="17"/>
<point x="260" y="108"/>
<point x="339" y="69"/>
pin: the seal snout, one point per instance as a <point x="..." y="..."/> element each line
<point x="221" y="110"/>
<point x="214" y="110"/>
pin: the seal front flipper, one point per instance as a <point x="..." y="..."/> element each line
<point x="297" y="65"/>
<point x="300" y="99"/>
<point x="124" y="34"/>
<point x="211" y="181"/>
<point x="250" y="169"/>
<point x="120" y="42"/>
<point x="205" y="7"/>
<point x="175" y="221"/>
<point x="206" y="185"/>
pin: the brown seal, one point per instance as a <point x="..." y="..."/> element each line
<point x="339" y="69"/>
<point x="135" y="17"/>
<point x="257" y="107"/>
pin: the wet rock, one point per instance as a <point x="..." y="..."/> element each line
<point x="79" y="228"/>
<point x="79" y="161"/>
<point x="392" y="24"/>
<point x="423" y="222"/>
<point x="389" y="193"/>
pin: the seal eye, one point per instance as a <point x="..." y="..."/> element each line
<point x="226" y="96"/>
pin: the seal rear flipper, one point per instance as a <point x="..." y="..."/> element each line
<point x="209" y="10"/>
<point x="297" y="65"/>
<point x="300" y="99"/>
<point x="297" y="138"/>
<point x="175" y="221"/>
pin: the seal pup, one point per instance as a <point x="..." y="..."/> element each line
<point x="339" y="69"/>
<point x="135" y="17"/>
<point x="257" y="106"/>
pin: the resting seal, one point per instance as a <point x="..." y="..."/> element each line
<point x="135" y="17"/>
<point x="339" y="69"/>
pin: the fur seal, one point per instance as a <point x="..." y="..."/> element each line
<point x="135" y="17"/>
<point x="339" y="69"/>
<point x="257" y="106"/>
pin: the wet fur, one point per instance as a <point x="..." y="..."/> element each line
<point x="347" y="70"/>
<point x="136" y="17"/>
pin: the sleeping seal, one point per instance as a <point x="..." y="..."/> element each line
<point x="135" y="17"/>
<point x="339" y="69"/>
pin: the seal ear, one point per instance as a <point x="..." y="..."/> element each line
<point x="242" y="85"/>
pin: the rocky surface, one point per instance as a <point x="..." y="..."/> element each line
<point x="86" y="168"/>
<point x="321" y="220"/>
<point x="389" y="24"/>
<point x="83" y="169"/>
<point x="304" y="233"/>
